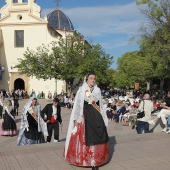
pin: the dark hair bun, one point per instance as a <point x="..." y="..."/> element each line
<point x="89" y="75"/>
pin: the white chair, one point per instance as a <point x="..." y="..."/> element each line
<point x="121" y="117"/>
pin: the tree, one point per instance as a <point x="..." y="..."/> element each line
<point x="156" y="11"/>
<point x="133" y="66"/>
<point x="155" y="38"/>
<point x="68" y="59"/>
<point x="107" y="78"/>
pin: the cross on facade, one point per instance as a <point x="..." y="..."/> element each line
<point x="57" y="1"/>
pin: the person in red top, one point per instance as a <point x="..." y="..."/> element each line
<point x="52" y="116"/>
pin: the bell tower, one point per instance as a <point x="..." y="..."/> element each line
<point x="19" y="5"/>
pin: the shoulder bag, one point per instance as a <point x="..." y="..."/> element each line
<point x="141" y="114"/>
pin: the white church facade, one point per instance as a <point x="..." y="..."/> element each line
<point x="22" y="27"/>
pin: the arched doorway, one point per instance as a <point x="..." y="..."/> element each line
<point x="19" y="84"/>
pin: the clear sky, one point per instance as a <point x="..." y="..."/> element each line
<point x="111" y="23"/>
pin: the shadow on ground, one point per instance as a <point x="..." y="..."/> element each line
<point x="158" y="123"/>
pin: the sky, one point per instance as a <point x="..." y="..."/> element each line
<point x="111" y="23"/>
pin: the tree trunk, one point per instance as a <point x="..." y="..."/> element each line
<point x="161" y="87"/>
<point x="148" y="85"/>
<point x="70" y="92"/>
<point x="169" y="84"/>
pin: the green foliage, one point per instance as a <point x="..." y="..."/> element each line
<point x="69" y="58"/>
<point x="155" y="43"/>
<point x="157" y="47"/>
<point x="133" y="66"/>
<point x="157" y="11"/>
<point x="107" y="78"/>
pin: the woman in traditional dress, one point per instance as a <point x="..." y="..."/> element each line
<point x="8" y="127"/>
<point x="2" y="103"/>
<point x="87" y="137"/>
<point x="33" y="128"/>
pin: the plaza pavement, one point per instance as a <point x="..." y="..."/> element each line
<point x="128" y="151"/>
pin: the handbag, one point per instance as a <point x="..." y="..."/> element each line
<point x="141" y="114"/>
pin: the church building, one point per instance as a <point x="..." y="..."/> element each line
<point x="22" y="27"/>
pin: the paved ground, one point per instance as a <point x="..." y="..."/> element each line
<point x="127" y="150"/>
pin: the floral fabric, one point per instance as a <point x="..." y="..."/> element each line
<point x="81" y="155"/>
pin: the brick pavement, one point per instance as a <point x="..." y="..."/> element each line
<point x="127" y="150"/>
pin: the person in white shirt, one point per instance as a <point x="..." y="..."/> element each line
<point x="147" y="106"/>
<point x="52" y="115"/>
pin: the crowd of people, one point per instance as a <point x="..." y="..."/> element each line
<point x="90" y="109"/>
<point x="20" y="94"/>
<point x="123" y="109"/>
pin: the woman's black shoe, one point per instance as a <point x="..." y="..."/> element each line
<point x="95" y="168"/>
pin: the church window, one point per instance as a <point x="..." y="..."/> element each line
<point x="23" y="1"/>
<point x="19" y="38"/>
<point x="15" y="1"/>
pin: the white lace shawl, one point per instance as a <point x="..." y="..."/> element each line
<point x="42" y="126"/>
<point x="77" y="112"/>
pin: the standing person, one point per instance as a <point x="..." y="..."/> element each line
<point x="9" y="127"/>
<point x="42" y="95"/>
<point x="13" y="104"/>
<point x="33" y="128"/>
<point x="2" y="104"/>
<point x="16" y="105"/>
<point x="4" y="93"/>
<point x="62" y="101"/>
<point x="87" y="138"/>
<point x="66" y="99"/>
<point x="49" y="95"/>
<point x="70" y="101"/>
<point x="52" y="116"/>
<point x="147" y="106"/>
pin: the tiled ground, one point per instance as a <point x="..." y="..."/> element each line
<point x="127" y="150"/>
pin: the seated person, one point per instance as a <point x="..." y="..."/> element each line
<point x="111" y="110"/>
<point x="132" y="116"/>
<point x="168" y="132"/>
<point x="127" y="114"/>
<point x="164" y="113"/>
<point x="121" y="109"/>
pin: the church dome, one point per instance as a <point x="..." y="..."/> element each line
<point x="58" y="20"/>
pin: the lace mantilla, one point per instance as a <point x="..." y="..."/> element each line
<point x="84" y="94"/>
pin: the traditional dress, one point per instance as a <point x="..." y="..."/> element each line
<point x="87" y="142"/>
<point x="33" y="128"/>
<point x="1" y="107"/>
<point x="8" y="125"/>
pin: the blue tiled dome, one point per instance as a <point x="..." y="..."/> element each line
<point x="58" y="20"/>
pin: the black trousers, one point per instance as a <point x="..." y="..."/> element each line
<point x="50" y="127"/>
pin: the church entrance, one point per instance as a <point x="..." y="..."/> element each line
<point x="19" y="84"/>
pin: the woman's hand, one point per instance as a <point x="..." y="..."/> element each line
<point x="45" y="117"/>
<point x="48" y="121"/>
<point x="75" y="123"/>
